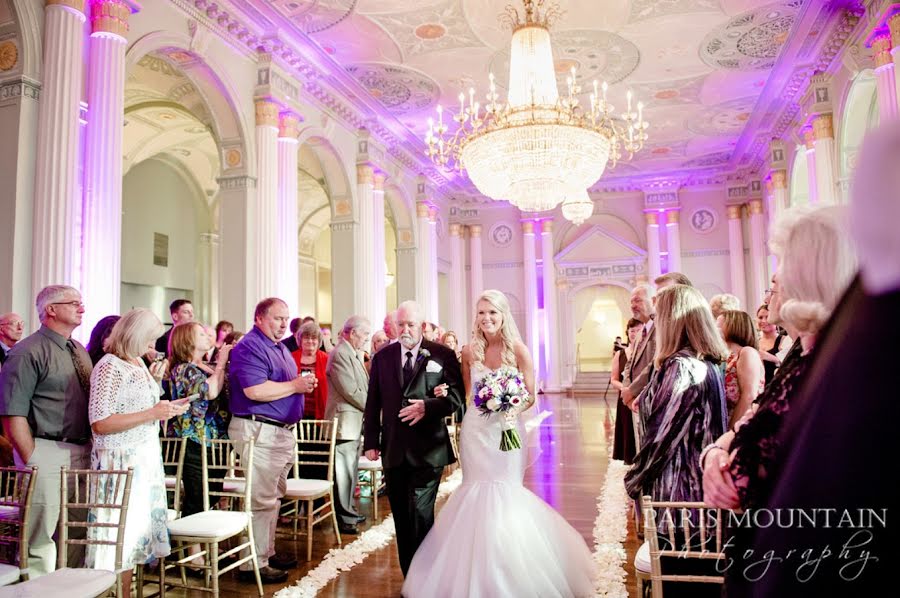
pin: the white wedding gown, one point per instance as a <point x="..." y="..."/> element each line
<point x="494" y="538"/>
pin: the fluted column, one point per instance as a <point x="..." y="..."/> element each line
<point x="826" y="178"/>
<point x="433" y="310"/>
<point x="476" y="266"/>
<point x="780" y="197"/>
<point x="266" y="213"/>
<point x="894" y="27"/>
<point x="757" y="254"/>
<point x="673" y="240"/>
<point x="365" y="241"/>
<point x="654" y="268"/>
<point x="56" y="200"/>
<point x="813" y="183"/>
<point x="456" y="318"/>
<point x="379" y="266"/>
<point x="101" y="261"/>
<point x="529" y="265"/>
<point x="736" y="252"/>
<point x="288" y="254"/>
<point x="885" y="77"/>
<point x="207" y="302"/>
<point x="423" y="260"/>
<point x="552" y="354"/>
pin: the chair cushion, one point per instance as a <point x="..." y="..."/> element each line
<point x="9" y="513"/>
<point x="171" y="514"/>
<point x="170" y="481"/>
<point x="210" y="524"/>
<point x="642" y="558"/>
<point x="8" y="574"/>
<point x="233" y="486"/>
<point x="82" y="583"/>
<point x="302" y="488"/>
<point x="367" y="464"/>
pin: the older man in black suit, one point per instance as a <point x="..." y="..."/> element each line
<point x="404" y="424"/>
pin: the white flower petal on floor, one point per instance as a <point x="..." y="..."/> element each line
<point x="610" y="531"/>
<point x="343" y="559"/>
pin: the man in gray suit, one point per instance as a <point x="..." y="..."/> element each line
<point x="348" y="387"/>
<point x="638" y="368"/>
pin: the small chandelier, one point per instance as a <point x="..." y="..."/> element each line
<point x="538" y="148"/>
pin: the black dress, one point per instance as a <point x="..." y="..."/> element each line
<point x="771" y="366"/>
<point x="624" y="447"/>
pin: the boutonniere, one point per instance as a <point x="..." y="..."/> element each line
<point x="424" y="353"/>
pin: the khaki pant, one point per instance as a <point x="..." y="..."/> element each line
<point x="274" y="452"/>
<point x="43" y="518"/>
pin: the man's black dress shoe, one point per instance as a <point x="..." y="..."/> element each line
<point x="347" y="528"/>
<point x="360" y="518"/>
<point x="266" y="574"/>
<point x="282" y="562"/>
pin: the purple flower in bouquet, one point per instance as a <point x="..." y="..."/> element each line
<point x="503" y="391"/>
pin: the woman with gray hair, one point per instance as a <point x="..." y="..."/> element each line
<point x="125" y="411"/>
<point x="311" y="361"/>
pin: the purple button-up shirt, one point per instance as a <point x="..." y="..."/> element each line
<point x="254" y="360"/>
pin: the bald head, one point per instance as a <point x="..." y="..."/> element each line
<point x="11" y="328"/>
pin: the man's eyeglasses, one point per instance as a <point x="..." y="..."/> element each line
<point x="75" y="304"/>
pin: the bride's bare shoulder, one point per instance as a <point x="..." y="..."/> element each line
<point x="467" y="353"/>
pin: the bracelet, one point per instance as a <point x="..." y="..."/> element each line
<point x="706" y="451"/>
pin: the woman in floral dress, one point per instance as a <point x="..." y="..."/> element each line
<point x="125" y="412"/>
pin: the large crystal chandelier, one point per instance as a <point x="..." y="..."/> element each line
<point x="537" y="149"/>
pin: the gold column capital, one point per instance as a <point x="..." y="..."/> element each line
<point x="809" y="138"/>
<point x="755" y="206"/>
<point x="652" y="218"/>
<point x="673" y="216"/>
<point x="288" y="125"/>
<point x="73" y="4"/>
<point x="432" y="214"/>
<point x="266" y="113"/>
<point x="475" y="230"/>
<point x="365" y="174"/>
<point x="822" y="127"/>
<point x="779" y="179"/>
<point x="378" y="179"/>
<point x="546" y="226"/>
<point x="881" y="49"/>
<point x="455" y="229"/>
<point x="528" y="227"/>
<point x="734" y="211"/>
<point x="110" y="16"/>
<point x="422" y="210"/>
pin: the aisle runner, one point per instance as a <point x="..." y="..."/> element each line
<point x="610" y="531"/>
<point x="343" y="559"/>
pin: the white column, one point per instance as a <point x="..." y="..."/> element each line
<point x="813" y="183"/>
<point x="101" y="262"/>
<point x="826" y="178"/>
<point x="757" y="255"/>
<point x="379" y="266"/>
<point x="885" y="77"/>
<point x="365" y="241"/>
<point x="267" y="228"/>
<point x="553" y="357"/>
<point x="456" y="318"/>
<point x="654" y="268"/>
<point x="566" y="354"/>
<point x="56" y="200"/>
<point x="780" y="196"/>
<point x="433" y="297"/>
<point x="287" y="270"/>
<point x="476" y="266"/>
<point x="736" y="253"/>
<point x="529" y="266"/>
<point x="423" y="260"/>
<point x="673" y="240"/>
<point x="237" y="216"/>
<point x="207" y="303"/>
<point x="894" y="26"/>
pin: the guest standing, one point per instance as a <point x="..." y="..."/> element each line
<point x="44" y="388"/>
<point x="348" y="384"/>
<point x="379" y="340"/>
<point x="266" y="402"/>
<point x="205" y="419"/>
<point x="311" y="361"/>
<point x="223" y="329"/>
<point x="624" y="447"/>
<point x="181" y="311"/>
<point x="292" y="342"/>
<point x="99" y="334"/>
<point x="744" y="374"/>
<point x="11" y="328"/>
<point x="774" y="343"/>
<point x="125" y="412"/>
<point x="638" y="368"/>
<point x="724" y="302"/>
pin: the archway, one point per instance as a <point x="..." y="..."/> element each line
<point x="599" y="312"/>
<point x="799" y="189"/>
<point x="860" y="114"/>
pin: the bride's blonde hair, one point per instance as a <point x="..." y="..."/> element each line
<point x="509" y="332"/>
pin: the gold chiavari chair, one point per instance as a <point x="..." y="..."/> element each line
<point x="16" y="488"/>
<point x="315" y="448"/>
<point x="173" y="449"/>
<point x="693" y="531"/>
<point x="375" y="481"/>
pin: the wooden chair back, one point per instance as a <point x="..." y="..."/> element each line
<point x="229" y="465"/>
<point x="16" y="488"/>
<point x="315" y="445"/>
<point x="173" y="449"/>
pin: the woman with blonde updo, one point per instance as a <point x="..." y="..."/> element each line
<point x="492" y="511"/>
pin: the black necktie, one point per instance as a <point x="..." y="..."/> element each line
<point x="407" y="368"/>
<point x="84" y="378"/>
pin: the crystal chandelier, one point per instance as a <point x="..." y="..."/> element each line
<point x="538" y="148"/>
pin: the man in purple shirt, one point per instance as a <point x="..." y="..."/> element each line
<point x="266" y="401"/>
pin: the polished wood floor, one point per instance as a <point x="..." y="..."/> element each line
<point x="569" y="474"/>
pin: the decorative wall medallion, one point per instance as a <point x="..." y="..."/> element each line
<point x="342" y="208"/>
<point x="725" y="119"/>
<point x="398" y="88"/>
<point x="9" y="55"/>
<point x="751" y="40"/>
<point x="703" y="220"/>
<point x="501" y="235"/>
<point x="596" y="54"/>
<point x="406" y="237"/>
<point x="233" y="158"/>
<point x="429" y="29"/>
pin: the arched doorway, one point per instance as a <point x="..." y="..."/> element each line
<point x="600" y="312"/>
<point x="860" y="114"/>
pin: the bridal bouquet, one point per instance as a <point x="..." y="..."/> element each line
<point x="503" y="391"/>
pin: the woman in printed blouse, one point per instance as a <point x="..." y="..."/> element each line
<point x="816" y="262"/>
<point x="206" y="417"/>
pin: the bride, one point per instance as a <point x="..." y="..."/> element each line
<point x="494" y="537"/>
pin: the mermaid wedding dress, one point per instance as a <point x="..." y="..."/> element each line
<point x="494" y="537"/>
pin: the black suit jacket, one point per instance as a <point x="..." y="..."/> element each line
<point x="427" y="443"/>
<point x="162" y="343"/>
<point x="839" y="452"/>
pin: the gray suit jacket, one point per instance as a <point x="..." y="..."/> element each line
<point x="638" y="369"/>
<point x="348" y="387"/>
